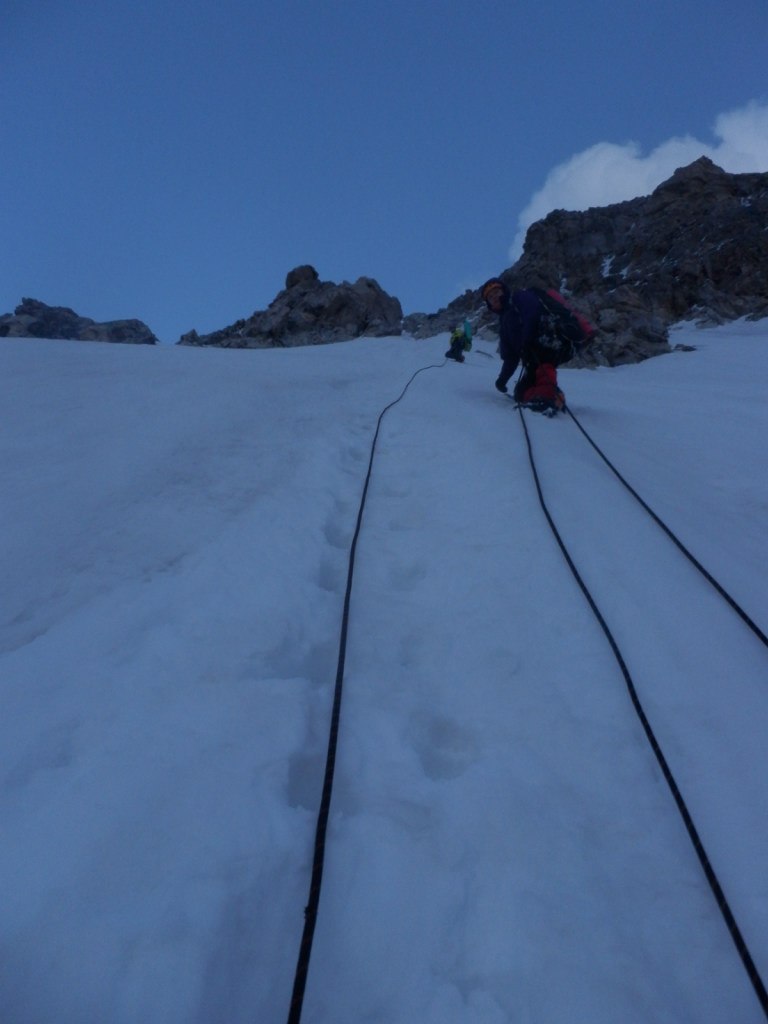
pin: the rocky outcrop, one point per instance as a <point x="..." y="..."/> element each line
<point x="33" y="319"/>
<point x="312" y="312"/>
<point x="695" y="249"/>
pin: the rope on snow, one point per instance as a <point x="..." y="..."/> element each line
<point x="675" y="540"/>
<point x="709" y="871"/>
<point x="310" y="912"/>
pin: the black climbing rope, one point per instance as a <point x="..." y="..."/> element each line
<point x="709" y="871"/>
<point x="675" y="540"/>
<point x="310" y="912"/>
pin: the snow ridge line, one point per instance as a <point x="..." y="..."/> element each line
<point x="709" y="871"/>
<point x="675" y="540"/>
<point x="313" y="902"/>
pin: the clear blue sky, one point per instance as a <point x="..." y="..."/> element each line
<point x="172" y="161"/>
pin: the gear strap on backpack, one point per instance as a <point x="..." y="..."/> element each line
<point x="562" y="331"/>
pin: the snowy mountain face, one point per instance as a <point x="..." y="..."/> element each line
<point x="502" y="846"/>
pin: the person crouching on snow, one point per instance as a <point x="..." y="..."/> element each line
<point x="521" y="341"/>
<point x="461" y="342"/>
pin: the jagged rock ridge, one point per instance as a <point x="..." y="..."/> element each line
<point x="696" y="248"/>
<point x="34" y="319"/>
<point x="312" y="312"/>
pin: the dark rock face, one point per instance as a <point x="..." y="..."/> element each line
<point x="312" y="312"/>
<point x="33" y="319"/>
<point x="695" y="249"/>
<point x="301" y="275"/>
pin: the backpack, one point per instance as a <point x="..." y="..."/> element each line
<point x="467" y="328"/>
<point x="462" y="336"/>
<point x="561" y="328"/>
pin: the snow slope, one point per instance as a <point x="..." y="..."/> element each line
<point x="175" y="530"/>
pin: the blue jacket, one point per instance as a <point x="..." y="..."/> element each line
<point x="518" y="330"/>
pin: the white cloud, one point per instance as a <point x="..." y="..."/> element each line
<point x="610" y="173"/>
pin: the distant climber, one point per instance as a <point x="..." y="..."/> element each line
<point x="461" y="342"/>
